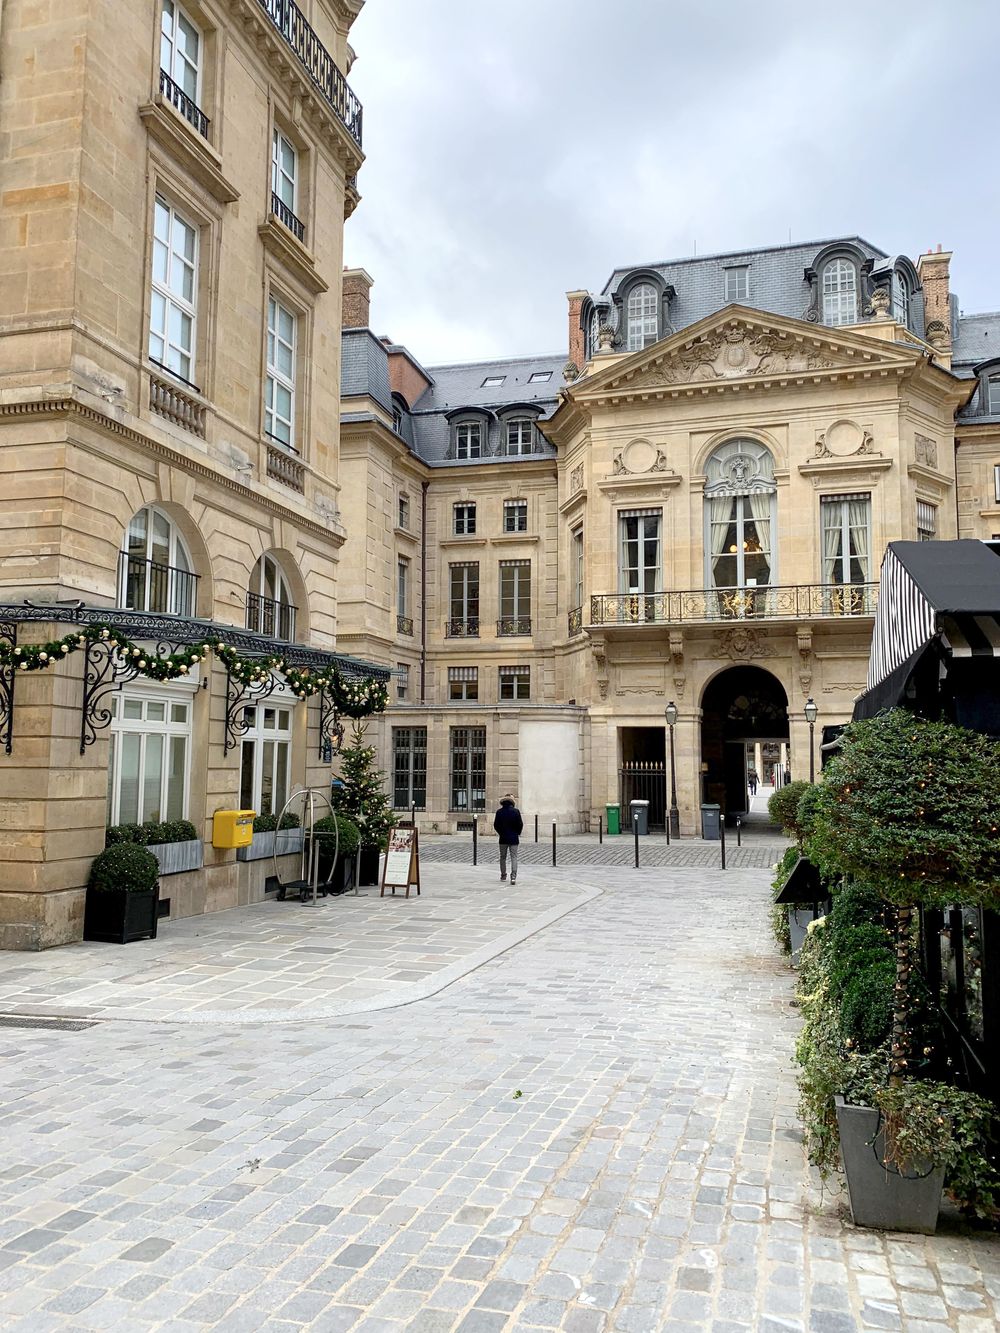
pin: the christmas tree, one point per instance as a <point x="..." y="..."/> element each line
<point x="360" y="794"/>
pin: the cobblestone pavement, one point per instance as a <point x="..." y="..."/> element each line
<point x="757" y="852"/>
<point x="593" y="1132"/>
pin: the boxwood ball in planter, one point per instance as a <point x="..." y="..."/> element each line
<point x="122" y="895"/>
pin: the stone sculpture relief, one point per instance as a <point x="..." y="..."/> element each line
<point x="734" y="352"/>
<point x="925" y="450"/>
<point x="844" y="439"/>
<point x="741" y="644"/>
<point x="576" y="479"/>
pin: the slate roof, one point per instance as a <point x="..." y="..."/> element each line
<point x="978" y="340"/>
<point x="364" y="367"/>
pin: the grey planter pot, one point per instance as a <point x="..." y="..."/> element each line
<point x="175" y="857"/>
<point x="289" y="840"/>
<point x="798" y="924"/>
<point x="881" y="1197"/>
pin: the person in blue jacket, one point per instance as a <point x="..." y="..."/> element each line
<point x="508" y="823"/>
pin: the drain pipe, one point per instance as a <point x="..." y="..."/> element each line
<point x="423" y="590"/>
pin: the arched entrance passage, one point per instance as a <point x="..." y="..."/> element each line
<point x="742" y="708"/>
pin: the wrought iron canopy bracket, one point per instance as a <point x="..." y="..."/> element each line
<point x="8" y="674"/>
<point x="238" y="698"/>
<point x="330" y="727"/>
<point x="103" y="671"/>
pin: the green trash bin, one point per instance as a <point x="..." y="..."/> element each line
<point x="614" y="818"/>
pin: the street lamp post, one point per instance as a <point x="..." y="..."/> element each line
<point x="812" y="712"/>
<point x="670" y="713"/>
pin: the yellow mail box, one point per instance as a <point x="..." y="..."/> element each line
<point x="232" y="828"/>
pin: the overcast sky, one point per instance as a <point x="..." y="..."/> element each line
<point x="519" y="150"/>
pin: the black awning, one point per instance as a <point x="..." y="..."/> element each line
<point x="955" y="577"/>
<point x="803" y="885"/>
<point x="891" y="692"/>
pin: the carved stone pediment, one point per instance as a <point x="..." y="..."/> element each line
<point x="734" y="353"/>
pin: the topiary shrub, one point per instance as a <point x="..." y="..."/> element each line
<point x="265" y="823"/>
<point x="124" y="866"/>
<point x="127" y="833"/>
<point x="350" y="840"/>
<point x="154" y="834"/>
<point x="289" y="821"/>
<point x="181" y="830"/>
<point x="806" y="811"/>
<point x="783" y="807"/>
<point x="866" y="1003"/>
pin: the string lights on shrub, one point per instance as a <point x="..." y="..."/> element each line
<point x="352" y="696"/>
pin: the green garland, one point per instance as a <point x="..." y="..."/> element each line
<point x="354" y="698"/>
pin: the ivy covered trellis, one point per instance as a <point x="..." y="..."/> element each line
<point x="112" y="657"/>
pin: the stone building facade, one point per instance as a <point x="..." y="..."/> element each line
<point x="690" y="510"/>
<point x="175" y="182"/>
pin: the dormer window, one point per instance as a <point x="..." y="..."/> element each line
<point x="469" y="440"/>
<point x="738" y="283"/>
<point x="993" y="395"/>
<point x="520" y="437"/>
<point x="641" y="316"/>
<point x="900" y="299"/>
<point x="595" y="324"/>
<point x="840" y="292"/>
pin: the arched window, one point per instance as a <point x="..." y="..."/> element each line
<point x="840" y="292"/>
<point x="595" y="324"/>
<point x="269" y="601"/>
<point x="739" y="524"/>
<point x="520" y="437"/>
<point x="155" y="571"/>
<point x="641" y="318"/>
<point x="900" y="299"/>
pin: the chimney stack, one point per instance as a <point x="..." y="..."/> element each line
<point x="357" y="289"/>
<point x="932" y="269"/>
<point x="577" y="353"/>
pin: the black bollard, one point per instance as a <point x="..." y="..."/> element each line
<point x="739" y="831"/>
<point x="413" y="814"/>
<point x="666" y="825"/>
<point x="553" y="843"/>
<point x="536" y="828"/>
<point x="600" y="829"/>
<point x="635" y="830"/>
<point x="475" y="841"/>
<point x="722" y="841"/>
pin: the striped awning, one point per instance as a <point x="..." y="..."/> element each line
<point x="971" y="636"/>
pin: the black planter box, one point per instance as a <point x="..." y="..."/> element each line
<point x="369" y="866"/>
<point x="117" y="917"/>
<point x="881" y="1197"/>
<point x="343" y="875"/>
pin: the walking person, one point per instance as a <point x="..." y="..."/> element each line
<point x="752" y="781"/>
<point x="508" y="824"/>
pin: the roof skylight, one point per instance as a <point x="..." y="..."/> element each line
<point x="540" y="377"/>
<point x="493" y="381"/>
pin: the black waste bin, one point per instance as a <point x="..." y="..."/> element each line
<point x="711" y="819"/>
<point x="639" y="813"/>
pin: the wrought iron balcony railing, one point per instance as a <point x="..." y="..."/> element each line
<point x="267" y="616"/>
<point x="574" y="620"/>
<point x="145" y="585"/>
<point x="509" y="626"/>
<point x="285" y="215"/>
<point x="188" y="108"/>
<point x="459" y="628"/>
<point x="317" y="62"/>
<point x="804" y="602"/>
<point x="404" y="625"/>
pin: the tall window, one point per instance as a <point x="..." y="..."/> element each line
<point x="900" y="298"/>
<point x="846" y="524"/>
<point x="739" y="521"/>
<point x="641" y="316"/>
<point x="840" y="292"/>
<point x="279" y="385"/>
<point x="593" y="331"/>
<point x="639" y="550"/>
<point x="402" y="586"/>
<point x="284" y="171"/>
<point x="180" y="50"/>
<point x="520" y="437"/>
<point x="402" y="680"/>
<point x="150" y="740"/>
<point x="515" y="516"/>
<point x="926" y="521"/>
<point x="409" y="767"/>
<point x="515" y="597"/>
<point x="996" y="483"/>
<point x="993" y="396"/>
<point x="403" y="515"/>
<point x="463" y="684"/>
<point x="576" y="565"/>
<point x="269" y="601"/>
<point x="468" y="768"/>
<point x="265" y="759"/>
<point x="465" y="520"/>
<point x="155" y="572"/>
<point x="737" y="283"/>
<point x="173" y="304"/>
<point x="464" y="599"/>
<point x="469" y="439"/>
<point x="514" y="682"/>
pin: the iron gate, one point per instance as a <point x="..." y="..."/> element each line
<point x="643" y="782"/>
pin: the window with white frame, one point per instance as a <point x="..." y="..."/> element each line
<point x="155" y="570"/>
<point x="402" y="680"/>
<point x="465" y="519"/>
<point x="469" y="439"/>
<point x="149" y="762"/>
<point x="515" y="516"/>
<point x="173" y="310"/>
<point x="468" y="768"/>
<point x="576" y="565"/>
<point x="738" y="283"/>
<point x="740" y="515"/>
<point x="403" y="515"/>
<point x="265" y="758"/>
<point x="996" y="483"/>
<point x="463" y="683"/>
<point x="181" y="49"/>
<point x="900" y="298"/>
<point x="409" y="767"/>
<point x="284" y="171"/>
<point x="514" y="682"/>
<point x="846" y="528"/>
<point x="840" y="292"/>
<point x="926" y="521"/>
<point x="270" y="609"/>
<point x="520" y="437"/>
<point x="464" y="598"/>
<point x="639" y="543"/>
<point x="515" y="597"/>
<point x="279" y="383"/>
<point x="641" y="321"/>
<point x="402" y="586"/>
<point x="594" y="332"/>
<point x="993" y="395"/>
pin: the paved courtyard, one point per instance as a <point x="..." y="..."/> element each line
<point x="595" y="1130"/>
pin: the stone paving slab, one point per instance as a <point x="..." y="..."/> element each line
<point x="594" y="1132"/>
<point x="619" y="851"/>
<point x="288" y="962"/>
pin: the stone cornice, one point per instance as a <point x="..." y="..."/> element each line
<point x="186" y="146"/>
<point x="292" y="255"/>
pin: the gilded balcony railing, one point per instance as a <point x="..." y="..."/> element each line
<point x="458" y="628"/>
<point x="510" y="626"/>
<point x="404" y="624"/>
<point x="316" y="60"/>
<point x="574" y="620"/>
<point x="807" y="601"/>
